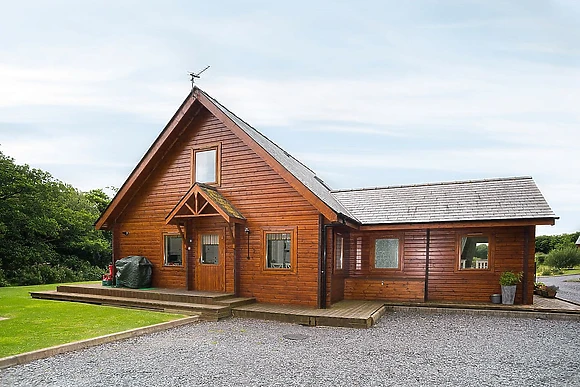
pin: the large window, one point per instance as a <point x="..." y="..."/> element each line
<point x="206" y="164"/>
<point x="210" y="244"/>
<point x="474" y="252"/>
<point x="339" y="252"/>
<point x="173" y="250"/>
<point x="280" y="250"/>
<point x="386" y="253"/>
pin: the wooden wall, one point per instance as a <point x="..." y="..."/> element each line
<point x="257" y="191"/>
<point x="445" y="282"/>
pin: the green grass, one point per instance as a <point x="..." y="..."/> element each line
<point x="542" y="269"/>
<point x="34" y="324"/>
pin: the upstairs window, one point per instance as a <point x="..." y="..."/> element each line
<point x="173" y="250"/>
<point x="474" y="252"/>
<point x="206" y="164"/>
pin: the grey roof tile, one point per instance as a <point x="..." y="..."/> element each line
<point x="490" y="199"/>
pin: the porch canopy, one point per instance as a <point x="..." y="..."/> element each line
<point x="203" y="200"/>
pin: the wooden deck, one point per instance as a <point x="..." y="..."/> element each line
<point x="352" y="314"/>
<point x="214" y="306"/>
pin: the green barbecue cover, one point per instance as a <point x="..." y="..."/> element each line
<point x="133" y="272"/>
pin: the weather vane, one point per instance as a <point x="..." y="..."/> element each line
<point x="194" y="76"/>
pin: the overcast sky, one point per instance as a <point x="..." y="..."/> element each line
<point x="366" y="93"/>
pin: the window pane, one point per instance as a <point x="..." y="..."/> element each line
<point x="358" y="259"/>
<point x="278" y="251"/>
<point x="205" y="166"/>
<point x="474" y="252"/>
<point x="173" y="249"/>
<point x="210" y="249"/>
<point x="338" y="252"/>
<point x="387" y="253"/>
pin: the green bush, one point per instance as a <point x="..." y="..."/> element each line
<point x="540" y="258"/>
<point x="564" y="257"/>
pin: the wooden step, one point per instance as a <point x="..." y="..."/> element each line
<point x="207" y="312"/>
<point x="172" y="295"/>
<point x="236" y="301"/>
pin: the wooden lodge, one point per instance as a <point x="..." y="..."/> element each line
<point x="217" y="206"/>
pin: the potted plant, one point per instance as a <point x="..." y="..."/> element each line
<point x="548" y="291"/>
<point x="508" y="281"/>
<point x="538" y="287"/>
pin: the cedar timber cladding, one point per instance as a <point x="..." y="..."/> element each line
<point x="262" y="188"/>
<point x="256" y="190"/>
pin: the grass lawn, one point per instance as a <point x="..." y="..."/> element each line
<point x="34" y="324"/>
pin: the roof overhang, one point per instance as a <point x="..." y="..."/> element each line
<point x="459" y="224"/>
<point x="201" y="201"/>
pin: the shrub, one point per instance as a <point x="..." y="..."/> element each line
<point x="540" y="258"/>
<point x="568" y="256"/>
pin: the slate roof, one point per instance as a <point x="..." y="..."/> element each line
<point x="221" y="201"/>
<point x="300" y="171"/>
<point x="491" y="199"/>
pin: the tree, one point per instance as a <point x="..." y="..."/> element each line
<point x="564" y="257"/>
<point x="46" y="228"/>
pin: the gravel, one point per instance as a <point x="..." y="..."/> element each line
<point x="403" y="349"/>
<point x="569" y="289"/>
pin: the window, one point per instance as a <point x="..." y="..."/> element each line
<point x="206" y="164"/>
<point x="474" y="252"/>
<point x="279" y="250"/>
<point x="173" y="250"/>
<point x="386" y="254"/>
<point x="338" y="252"/>
<point x="210" y="246"/>
<point x="358" y="258"/>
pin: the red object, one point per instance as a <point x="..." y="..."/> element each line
<point x="111" y="270"/>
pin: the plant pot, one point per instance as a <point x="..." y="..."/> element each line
<point x="106" y="282"/>
<point x="495" y="298"/>
<point x="508" y="294"/>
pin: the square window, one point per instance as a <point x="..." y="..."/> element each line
<point x="206" y="165"/>
<point x="386" y="253"/>
<point x="339" y="252"/>
<point x="278" y="248"/>
<point x="173" y="250"/>
<point x="210" y="244"/>
<point x="474" y="252"/>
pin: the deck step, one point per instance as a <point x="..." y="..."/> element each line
<point x="236" y="301"/>
<point x="207" y="312"/>
<point x="172" y="295"/>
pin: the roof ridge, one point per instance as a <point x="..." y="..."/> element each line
<point x="435" y="184"/>
<point x="256" y="130"/>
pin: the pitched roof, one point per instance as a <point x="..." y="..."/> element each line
<point x="191" y="205"/>
<point x="306" y="176"/>
<point x="578" y="241"/>
<point x="492" y="199"/>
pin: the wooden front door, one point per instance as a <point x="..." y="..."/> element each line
<point x="210" y="265"/>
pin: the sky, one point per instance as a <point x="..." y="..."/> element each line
<point x="366" y="93"/>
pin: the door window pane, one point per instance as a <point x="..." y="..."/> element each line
<point x="210" y="249"/>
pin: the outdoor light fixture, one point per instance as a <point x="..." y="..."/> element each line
<point x="125" y="232"/>
<point x="247" y="231"/>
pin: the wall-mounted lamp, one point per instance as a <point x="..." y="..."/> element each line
<point x="247" y="231"/>
<point x="125" y="233"/>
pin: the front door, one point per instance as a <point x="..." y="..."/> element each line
<point x="210" y="265"/>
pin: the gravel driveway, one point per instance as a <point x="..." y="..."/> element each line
<point x="404" y="349"/>
<point x="568" y="290"/>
